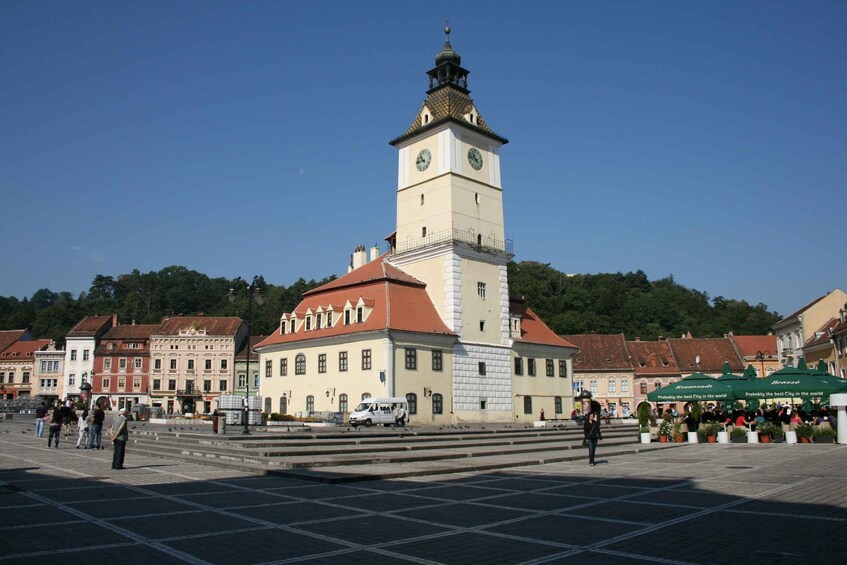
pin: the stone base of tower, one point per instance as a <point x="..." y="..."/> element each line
<point x="481" y="397"/>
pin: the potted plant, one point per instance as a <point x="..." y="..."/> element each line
<point x="644" y="416"/>
<point x="823" y="435"/>
<point x="712" y="429"/>
<point x="664" y="431"/>
<point x="677" y="433"/>
<point x="778" y="433"/>
<point x="738" y="435"/>
<point x="766" y="431"/>
<point x="804" y="433"/>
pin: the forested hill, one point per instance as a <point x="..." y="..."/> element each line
<point x="631" y="304"/>
<point x="604" y="303"/>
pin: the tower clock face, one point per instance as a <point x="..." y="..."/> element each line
<point x="475" y="158"/>
<point x="423" y="160"/>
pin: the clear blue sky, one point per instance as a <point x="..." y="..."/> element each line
<point x="704" y="140"/>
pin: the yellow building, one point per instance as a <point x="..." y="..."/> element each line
<point x="432" y="319"/>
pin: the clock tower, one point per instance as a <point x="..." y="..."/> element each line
<point x="451" y="233"/>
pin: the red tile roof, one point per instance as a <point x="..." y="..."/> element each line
<point x="377" y="270"/>
<point x="600" y="352"/>
<point x="8" y="337"/>
<point x="213" y="326"/>
<point x="24" y="349"/>
<point x="652" y="358"/>
<point x="823" y="334"/>
<point x="134" y="331"/>
<point x="90" y="326"/>
<point x="751" y="345"/>
<point x="254" y="341"/>
<point x="533" y="329"/>
<point x="713" y="351"/>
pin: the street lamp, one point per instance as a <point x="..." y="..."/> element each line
<point x="253" y="292"/>
<point x="760" y="356"/>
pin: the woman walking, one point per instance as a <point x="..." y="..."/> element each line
<point x="592" y="433"/>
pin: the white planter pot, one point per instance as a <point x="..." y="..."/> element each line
<point x="752" y="437"/>
<point x="790" y="437"/>
<point x="645" y="437"/>
<point x="723" y="437"/>
<point x="692" y="437"/>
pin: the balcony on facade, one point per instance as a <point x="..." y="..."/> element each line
<point x="476" y="241"/>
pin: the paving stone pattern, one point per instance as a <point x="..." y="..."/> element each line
<point x="700" y="504"/>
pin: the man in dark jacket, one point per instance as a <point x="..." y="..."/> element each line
<point x="96" y="429"/>
<point x="55" y="427"/>
<point x="591" y="429"/>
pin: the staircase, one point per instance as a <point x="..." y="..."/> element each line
<point x="349" y="454"/>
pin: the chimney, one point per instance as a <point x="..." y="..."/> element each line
<point x="374" y="253"/>
<point x="360" y="257"/>
<point x="114" y="320"/>
<point x="638" y="338"/>
<point x="661" y="338"/>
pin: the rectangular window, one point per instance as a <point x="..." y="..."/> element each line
<point x="208" y="364"/>
<point x="283" y="367"/>
<point x="157" y="364"/>
<point x="300" y="364"/>
<point x="482" y="368"/>
<point x="346" y="317"/>
<point x="550" y="368"/>
<point x="106" y="383"/>
<point x="480" y="289"/>
<point x="85" y="355"/>
<point x="411" y="359"/>
<point x="122" y="364"/>
<point x="107" y="364"/>
<point x="12" y="377"/>
<point x="342" y="361"/>
<point x="269" y="367"/>
<point x="322" y="363"/>
<point x="318" y="320"/>
<point x="136" y="363"/>
<point x="224" y="364"/>
<point x="25" y="377"/>
<point x="482" y="325"/>
<point x="173" y="365"/>
<point x="642" y="387"/>
<point x="613" y="386"/>
<point x="191" y="364"/>
<point x="121" y="383"/>
<point x="592" y="387"/>
<point x="530" y="367"/>
<point x="207" y="385"/>
<point x="293" y="326"/>
<point x="366" y="359"/>
<point x="242" y="380"/>
<point x="43" y="367"/>
<point x="519" y="366"/>
<point x="563" y="368"/>
<point x="171" y="384"/>
<point x="329" y="319"/>
<point x="222" y="385"/>
<point x="308" y="323"/>
<point x="360" y="315"/>
<point x="71" y="379"/>
<point x="624" y="385"/>
<point x="136" y="383"/>
<point x="577" y="387"/>
<point x="437" y="360"/>
<point x="73" y="354"/>
<point x="157" y="384"/>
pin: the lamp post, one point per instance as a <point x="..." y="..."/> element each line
<point x="253" y="292"/>
<point x="760" y="356"/>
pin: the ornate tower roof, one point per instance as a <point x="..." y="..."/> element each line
<point x="448" y="97"/>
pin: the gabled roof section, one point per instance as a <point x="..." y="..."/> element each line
<point x="24" y="350"/>
<point x="398" y="302"/>
<point x="130" y="332"/>
<point x="823" y="334"/>
<point x="751" y="345"/>
<point x="223" y="326"/>
<point x="713" y="352"/>
<point x="8" y="337"/>
<point x="652" y="358"/>
<point x="255" y="340"/>
<point x="533" y="329"/>
<point x="92" y="326"/>
<point x="600" y="352"/>
<point x="794" y="315"/>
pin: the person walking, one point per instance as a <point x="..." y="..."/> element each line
<point x="82" y="425"/>
<point x="40" y="415"/>
<point x="55" y="426"/>
<point x="591" y="429"/>
<point x="120" y="435"/>
<point x="95" y="429"/>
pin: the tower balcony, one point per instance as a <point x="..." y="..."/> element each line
<point x="477" y="241"/>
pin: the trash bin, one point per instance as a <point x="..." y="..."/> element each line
<point x="221" y="420"/>
<point x="215" y="421"/>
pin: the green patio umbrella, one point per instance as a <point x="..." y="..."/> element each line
<point x="790" y="382"/>
<point x="694" y="387"/>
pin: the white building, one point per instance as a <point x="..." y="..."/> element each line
<point x="80" y="344"/>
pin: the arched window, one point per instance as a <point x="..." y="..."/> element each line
<point x="657" y="384"/>
<point x="479" y="239"/>
<point x="310" y="404"/>
<point x="642" y="387"/>
<point x="283" y="404"/>
<point x="557" y="405"/>
<point x="342" y="403"/>
<point x="412" y="399"/>
<point x="300" y="364"/>
<point x="527" y="405"/>
<point x="437" y="404"/>
<point x="268" y="405"/>
<point x="366" y="395"/>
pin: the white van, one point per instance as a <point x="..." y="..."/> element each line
<point x="378" y="411"/>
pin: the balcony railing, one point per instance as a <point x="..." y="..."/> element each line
<point x="189" y="392"/>
<point x="457" y="236"/>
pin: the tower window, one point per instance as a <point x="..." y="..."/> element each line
<point x="479" y="239"/>
<point x="471" y="118"/>
<point x="423" y="231"/>
<point x="476" y="197"/>
<point x="482" y="368"/>
<point x="482" y="325"/>
<point x="426" y="119"/>
<point x="480" y="289"/>
<point x="422" y="199"/>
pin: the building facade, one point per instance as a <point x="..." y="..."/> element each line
<point x="80" y="344"/>
<point x="48" y="371"/>
<point x="17" y="367"/>
<point x="757" y="351"/>
<point x="797" y="328"/>
<point x="603" y="367"/>
<point x="122" y="367"/>
<point x="431" y="320"/>
<point x="193" y="360"/>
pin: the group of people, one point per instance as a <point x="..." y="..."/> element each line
<point x="89" y="427"/>
<point x="776" y="414"/>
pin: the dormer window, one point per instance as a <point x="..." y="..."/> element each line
<point x="347" y="317"/>
<point x="318" y="321"/>
<point x="360" y="315"/>
<point x="422" y="199"/>
<point x="329" y="319"/>
<point x="308" y="323"/>
<point x="470" y="118"/>
<point x="426" y="119"/>
<point x="293" y="326"/>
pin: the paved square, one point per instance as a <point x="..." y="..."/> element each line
<point x="692" y="504"/>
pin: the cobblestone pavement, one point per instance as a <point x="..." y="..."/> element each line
<point x="693" y="504"/>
